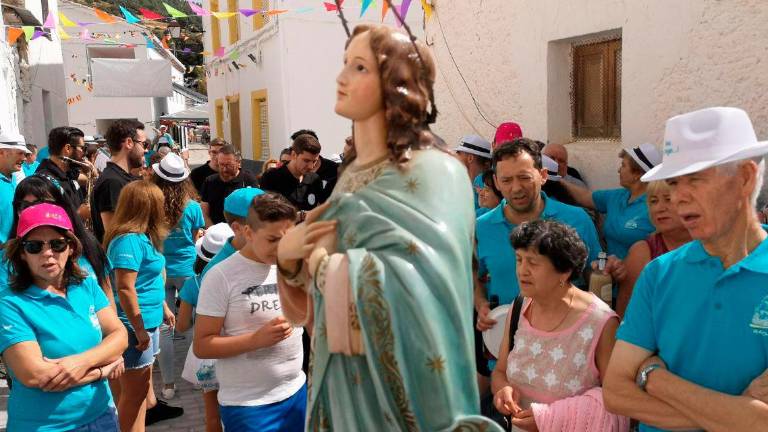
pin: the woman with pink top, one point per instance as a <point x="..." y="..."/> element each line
<point x="561" y="341"/>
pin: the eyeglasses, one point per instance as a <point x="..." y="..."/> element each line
<point x="34" y="247"/>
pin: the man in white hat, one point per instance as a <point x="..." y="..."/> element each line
<point x="475" y="153"/>
<point x="692" y="351"/>
<point x="13" y="151"/>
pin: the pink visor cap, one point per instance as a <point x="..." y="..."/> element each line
<point x="42" y="215"/>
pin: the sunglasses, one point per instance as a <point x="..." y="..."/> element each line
<point x="34" y="247"/>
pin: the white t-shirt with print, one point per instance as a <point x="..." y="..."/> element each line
<point x="244" y="293"/>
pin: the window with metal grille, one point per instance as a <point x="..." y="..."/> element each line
<point x="597" y="90"/>
<point x="260" y="19"/>
<point x="264" y="129"/>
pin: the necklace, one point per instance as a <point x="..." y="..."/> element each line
<point x="567" y="312"/>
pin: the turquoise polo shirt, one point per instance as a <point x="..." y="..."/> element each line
<point x="29" y="168"/>
<point x="61" y="327"/>
<point x="5" y="271"/>
<point x="7" y="189"/>
<point x="179" y="246"/>
<point x="709" y="324"/>
<point x="135" y="252"/>
<point x="494" y="248"/>
<point x="626" y="223"/>
<point x="226" y="251"/>
<point x="190" y="291"/>
<point x="43" y="153"/>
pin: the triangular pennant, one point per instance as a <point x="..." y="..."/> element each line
<point x="150" y="45"/>
<point x="62" y="34"/>
<point x="366" y="5"/>
<point x="427" y="9"/>
<point x="129" y="17"/>
<point x="234" y="55"/>
<point x="219" y="52"/>
<point x="186" y="50"/>
<point x="199" y="11"/>
<point x="277" y="11"/>
<point x="84" y="35"/>
<point x="50" y="22"/>
<point x="331" y="6"/>
<point x="174" y="12"/>
<point x="224" y="15"/>
<point x="66" y="22"/>
<point x="148" y="14"/>
<point x="28" y="32"/>
<point x="37" y="34"/>
<point x="206" y="53"/>
<point x="302" y="11"/>
<point x="13" y="34"/>
<point x="384" y="9"/>
<point x="249" y="12"/>
<point x="110" y="41"/>
<point x="404" y="11"/>
<point x="107" y="18"/>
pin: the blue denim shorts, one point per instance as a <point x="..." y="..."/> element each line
<point x="135" y="359"/>
<point x="106" y="422"/>
<point x="284" y="416"/>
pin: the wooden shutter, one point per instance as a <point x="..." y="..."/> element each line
<point x="597" y="90"/>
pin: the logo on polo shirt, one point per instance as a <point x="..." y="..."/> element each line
<point x="632" y="223"/>
<point x="759" y="322"/>
<point x="94" y="318"/>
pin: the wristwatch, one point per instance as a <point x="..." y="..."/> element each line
<point x="642" y="376"/>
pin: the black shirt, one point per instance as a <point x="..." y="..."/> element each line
<point x="329" y="173"/>
<point x="67" y="180"/>
<point x="214" y="191"/>
<point x="305" y="195"/>
<point x="199" y="174"/>
<point x="106" y="192"/>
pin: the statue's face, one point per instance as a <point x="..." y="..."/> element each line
<point x="358" y="92"/>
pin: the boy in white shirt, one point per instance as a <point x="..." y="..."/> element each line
<point x="239" y="322"/>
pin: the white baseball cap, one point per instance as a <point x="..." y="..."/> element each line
<point x="706" y="138"/>
<point x="13" y="141"/>
<point x="214" y="239"/>
<point x="552" y="168"/>
<point x="475" y="145"/>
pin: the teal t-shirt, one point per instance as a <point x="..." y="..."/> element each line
<point x="61" y="327"/>
<point x="135" y="252"/>
<point x="626" y="223"/>
<point x="5" y="271"/>
<point x="43" y="153"/>
<point x="709" y="324"/>
<point x="190" y="291"/>
<point x="225" y="252"/>
<point x="7" y="189"/>
<point x="29" y="168"/>
<point x="179" y="246"/>
<point x="496" y="256"/>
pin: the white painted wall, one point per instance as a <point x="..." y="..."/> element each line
<point x="46" y="74"/>
<point x="298" y="68"/>
<point x="678" y="56"/>
<point x="87" y="113"/>
<point x="9" y="90"/>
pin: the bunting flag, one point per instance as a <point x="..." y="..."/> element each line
<point x="13" y="34"/>
<point x="199" y="11"/>
<point x="149" y="15"/>
<point x="366" y="5"/>
<point x="175" y="13"/>
<point x="29" y="31"/>
<point x="249" y="12"/>
<point x="234" y="55"/>
<point x="332" y="6"/>
<point x="107" y="18"/>
<point x="404" y="11"/>
<point x="277" y="12"/>
<point x="187" y="51"/>
<point x="384" y="10"/>
<point x="84" y="34"/>
<point x="219" y="52"/>
<point x="301" y="11"/>
<point x="129" y="17"/>
<point x="427" y="9"/>
<point x="50" y="22"/>
<point x="62" y="34"/>
<point x="224" y="15"/>
<point x="66" y="22"/>
<point x="150" y="45"/>
<point x="37" y="34"/>
<point x="110" y="41"/>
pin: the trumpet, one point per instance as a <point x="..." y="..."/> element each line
<point x="89" y="188"/>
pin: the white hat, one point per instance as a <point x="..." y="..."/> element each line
<point x="13" y="141"/>
<point x="475" y="145"/>
<point x="706" y="138"/>
<point x="214" y="239"/>
<point x="552" y="168"/>
<point x="645" y="155"/>
<point x="171" y="167"/>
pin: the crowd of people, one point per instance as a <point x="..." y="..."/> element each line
<point x="381" y="267"/>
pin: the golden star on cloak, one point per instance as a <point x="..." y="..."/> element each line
<point x="436" y="363"/>
<point x="411" y="185"/>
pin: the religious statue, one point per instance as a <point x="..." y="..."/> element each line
<point x="381" y="274"/>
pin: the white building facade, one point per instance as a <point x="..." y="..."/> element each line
<point x="285" y="78"/>
<point x="596" y="75"/>
<point x="93" y="112"/>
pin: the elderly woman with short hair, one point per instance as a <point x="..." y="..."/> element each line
<point x="563" y="337"/>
